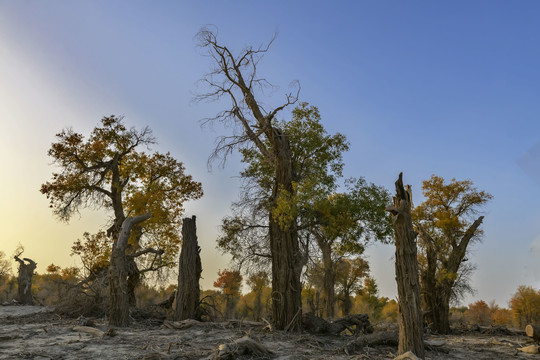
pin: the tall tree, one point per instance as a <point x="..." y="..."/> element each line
<point x="108" y="170"/>
<point x="235" y="77"/>
<point x="338" y="223"/>
<point x="447" y="224"/>
<point x="409" y="311"/>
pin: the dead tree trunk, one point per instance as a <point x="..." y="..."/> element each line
<point x="118" y="272"/>
<point x="190" y="269"/>
<point x="409" y="310"/>
<point x="24" y="280"/>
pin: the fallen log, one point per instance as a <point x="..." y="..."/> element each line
<point x="356" y="324"/>
<point x="89" y="330"/>
<point x="386" y="338"/>
<point x="376" y="339"/>
<point x="242" y="346"/>
<point x="182" y="325"/>
<point x="533" y="331"/>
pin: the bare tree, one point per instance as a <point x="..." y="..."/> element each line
<point x="235" y="78"/>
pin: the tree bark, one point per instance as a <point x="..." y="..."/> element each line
<point x="189" y="273"/>
<point x="287" y="261"/>
<point x="24" y="280"/>
<point x="409" y="310"/>
<point x="118" y="272"/>
<point x="329" y="277"/>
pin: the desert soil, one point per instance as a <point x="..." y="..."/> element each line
<point x="32" y="332"/>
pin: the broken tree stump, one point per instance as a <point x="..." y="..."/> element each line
<point x="411" y="328"/>
<point x="24" y="280"/>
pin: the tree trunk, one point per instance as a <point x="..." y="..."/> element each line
<point x="409" y="310"/>
<point x="257" y="307"/>
<point x="329" y="278"/>
<point x="347" y="303"/>
<point x="118" y="272"/>
<point x="287" y="261"/>
<point x="24" y="280"/>
<point x="441" y="311"/>
<point x="189" y="273"/>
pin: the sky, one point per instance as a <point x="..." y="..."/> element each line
<point x="445" y="88"/>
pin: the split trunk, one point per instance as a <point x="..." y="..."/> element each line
<point x="409" y="310"/>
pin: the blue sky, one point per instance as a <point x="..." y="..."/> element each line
<point x="446" y="88"/>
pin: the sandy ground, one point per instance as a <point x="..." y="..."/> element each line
<point x="31" y="332"/>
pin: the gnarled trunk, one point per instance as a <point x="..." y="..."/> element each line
<point x="189" y="273"/>
<point x="287" y="261"/>
<point x="118" y="272"/>
<point x="24" y="280"/>
<point x="436" y="292"/>
<point x="409" y="311"/>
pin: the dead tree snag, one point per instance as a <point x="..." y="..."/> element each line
<point x="24" y="280"/>
<point x="409" y="310"/>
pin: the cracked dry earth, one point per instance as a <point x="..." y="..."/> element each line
<point x="31" y="332"/>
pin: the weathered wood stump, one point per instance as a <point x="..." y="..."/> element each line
<point x="411" y="329"/>
<point x="24" y="280"/>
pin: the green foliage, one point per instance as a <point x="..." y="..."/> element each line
<point x="347" y="219"/>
